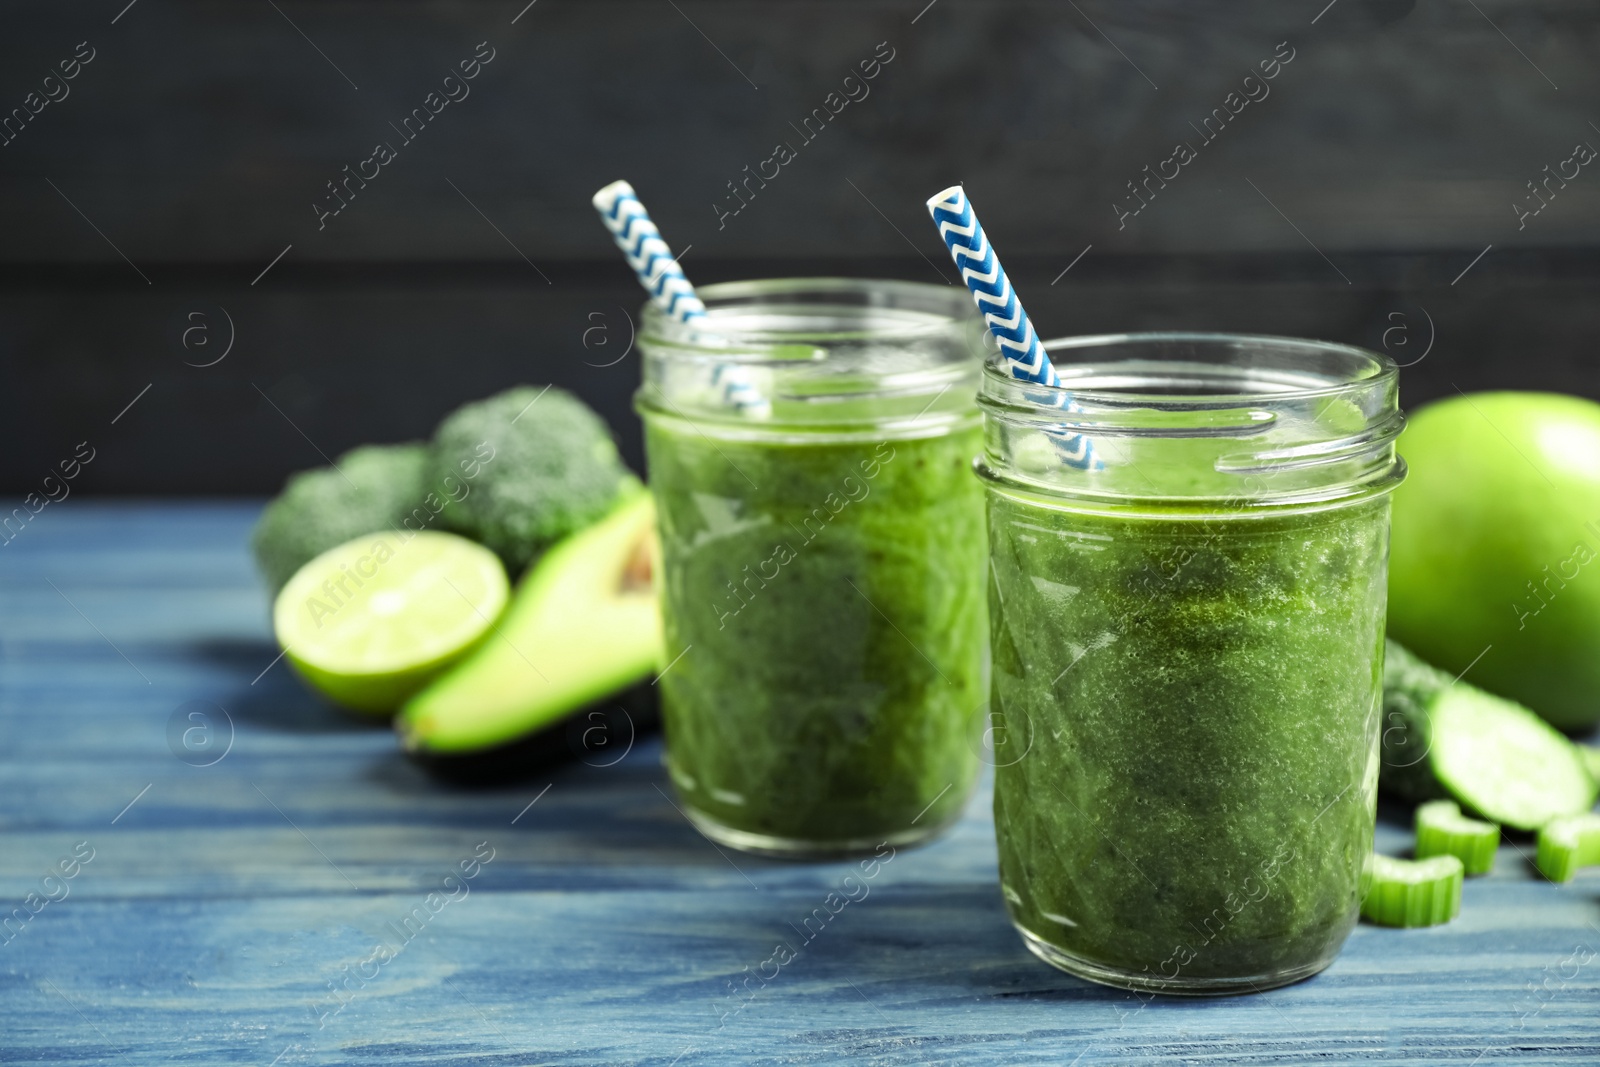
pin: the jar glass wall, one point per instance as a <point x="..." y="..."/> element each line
<point x="810" y="446"/>
<point x="1187" y="647"/>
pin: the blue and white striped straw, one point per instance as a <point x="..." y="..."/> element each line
<point x="669" y="290"/>
<point x="1025" y="357"/>
<point x="647" y="253"/>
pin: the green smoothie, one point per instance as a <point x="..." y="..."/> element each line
<point x="828" y="599"/>
<point x="1197" y="696"/>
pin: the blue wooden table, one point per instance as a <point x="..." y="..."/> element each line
<point x="292" y="890"/>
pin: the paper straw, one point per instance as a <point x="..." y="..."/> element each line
<point x="647" y="253"/>
<point x="1025" y="357"/>
<point x="669" y="290"/>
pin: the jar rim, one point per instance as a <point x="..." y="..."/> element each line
<point x="1197" y="415"/>
<point x="819" y="356"/>
<point x="1368" y="369"/>
<point x="948" y="309"/>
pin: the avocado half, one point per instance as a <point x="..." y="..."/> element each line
<point x="583" y="626"/>
<point x="600" y="734"/>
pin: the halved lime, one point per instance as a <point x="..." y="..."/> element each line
<point x="374" y="620"/>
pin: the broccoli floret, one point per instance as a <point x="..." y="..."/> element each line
<point x="531" y="469"/>
<point x="370" y="488"/>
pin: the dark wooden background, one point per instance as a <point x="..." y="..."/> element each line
<point x="190" y="150"/>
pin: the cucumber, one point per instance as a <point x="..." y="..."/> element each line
<point x="1409" y="686"/>
<point x="1446" y="738"/>
<point x="1443" y="831"/>
<point x="1568" y="843"/>
<point x="1411" y="892"/>
<point x="1591" y="759"/>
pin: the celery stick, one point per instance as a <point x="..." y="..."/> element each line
<point x="1411" y="892"/>
<point x="1568" y="843"/>
<point x="1443" y="831"/>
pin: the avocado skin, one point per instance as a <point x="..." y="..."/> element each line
<point x="592" y="734"/>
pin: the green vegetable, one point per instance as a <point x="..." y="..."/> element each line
<point x="373" y="620"/>
<point x="1444" y="737"/>
<point x="1495" y="543"/>
<point x="371" y="488"/>
<point x="1569" y="843"/>
<point x="1443" y="831"/>
<point x="1591" y="759"/>
<point x="1411" y="892"/>
<point x="533" y="466"/>
<point x="582" y="625"/>
<point x="1407" y="738"/>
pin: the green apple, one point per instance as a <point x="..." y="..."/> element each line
<point x="1496" y="548"/>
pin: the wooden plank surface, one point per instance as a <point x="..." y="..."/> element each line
<point x="222" y="900"/>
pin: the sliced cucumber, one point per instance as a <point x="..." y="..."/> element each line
<point x="1411" y="892"/>
<point x="1568" y="843"/>
<point x="1505" y="762"/>
<point x="1591" y="760"/>
<point x="1500" y="760"/>
<point x="1443" y="831"/>
<point x="1409" y="687"/>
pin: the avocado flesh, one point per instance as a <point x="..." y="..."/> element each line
<point x="580" y="627"/>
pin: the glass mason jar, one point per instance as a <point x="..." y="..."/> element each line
<point x="822" y="555"/>
<point x="1187" y="653"/>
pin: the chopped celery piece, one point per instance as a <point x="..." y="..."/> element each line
<point x="1411" y="892"/>
<point x="1568" y="843"/>
<point x="1443" y="831"/>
